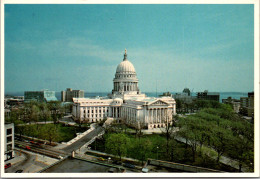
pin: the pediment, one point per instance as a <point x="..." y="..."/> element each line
<point x="159" y="103"/>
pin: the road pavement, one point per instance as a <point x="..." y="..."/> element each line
<point x="82" y="141"/>
<point x="28" y="162"/>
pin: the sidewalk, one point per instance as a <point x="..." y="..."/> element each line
<point x="17" y="158"/>
<point x="79" y="136"/>
<point x="29" y="162"/>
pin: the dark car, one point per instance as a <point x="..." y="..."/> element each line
<point x="8" y="165"/>
<point x="19" y="171"/>
<point x="117" y="162"/>
<point x="128" y="165"/>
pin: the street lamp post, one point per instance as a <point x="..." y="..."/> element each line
<point x="157" y="152"/>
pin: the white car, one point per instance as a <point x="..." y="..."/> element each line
<point x="145" y="170"/>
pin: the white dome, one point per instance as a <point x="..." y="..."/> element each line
<point x="125" y="67"/>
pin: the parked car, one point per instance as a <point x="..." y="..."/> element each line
<point x="8" y="165"/>
<point x="19" y="171"/>
<point x="101" y="159"/>
<point x="145" y="170"/>
<point x="112" y="170"/>
<point x="117" y="162"/>
<point x="32" y="142"/>
<point x="28" y="147"/>
<point x="39" y="144"/>
<point x="128" y="165"/>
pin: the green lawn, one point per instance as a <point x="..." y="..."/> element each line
<point x="63" y="133"/>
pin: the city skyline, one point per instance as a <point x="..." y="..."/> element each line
<point x="202" y="47"/>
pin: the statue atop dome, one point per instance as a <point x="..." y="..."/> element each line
<point x="125" y="55"/>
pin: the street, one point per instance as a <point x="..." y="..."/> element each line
<point x="79" y="143"/>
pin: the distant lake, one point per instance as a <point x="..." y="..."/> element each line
<point x="223" y="95"/>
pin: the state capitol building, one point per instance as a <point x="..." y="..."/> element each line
<point x="126" y="103"/>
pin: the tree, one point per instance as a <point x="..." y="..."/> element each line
<point x="117" y="144"/>
<point x="57" y="111"/>
<point x="50" y="132"/>
<point x="45" y="112"/>
<point x="189" y="131"/>
<point x="220" y="140"/>
<point x="243" y="143"/>
<point x="139" y="126"/>
<point x="168" y="128"/>
<point x="142" y="148"/>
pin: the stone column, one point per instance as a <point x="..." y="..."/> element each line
<point x="94" y="113"/>
<point x="156" y="119"/>
<point x="149" y="116"/>
<point x="161" y="115"/>
<point x="113" y="111"/>
<point x="152" y="117"/>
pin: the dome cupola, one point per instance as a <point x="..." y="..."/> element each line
<point x="125" y="67"/>
<point x="125" y="80"/>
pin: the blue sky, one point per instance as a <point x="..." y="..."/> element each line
<point x="79" y="46"/>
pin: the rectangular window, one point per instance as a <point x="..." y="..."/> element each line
<point x="9" y="131"/>
<point x="9" y="147"/>
<point x="9" y="139"/>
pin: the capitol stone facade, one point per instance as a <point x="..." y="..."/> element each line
<point x="126" y="103"/>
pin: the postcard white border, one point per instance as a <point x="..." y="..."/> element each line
<point x="63" y="175"/>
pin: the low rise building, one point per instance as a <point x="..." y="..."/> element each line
<point x="208" y="95"/>
<point x="185" y="96"/>
<point x="69" y="94"/>
<point x="9" y="141"/>
<point x="40" y="96"/>
<point x="234" y="102"/>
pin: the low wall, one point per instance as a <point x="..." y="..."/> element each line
<point x="124" y="159"/>
<point x="183" y="167"/>
<point x="80" y="135"/>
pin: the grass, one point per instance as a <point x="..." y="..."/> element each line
<point x="64" y="133"/>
